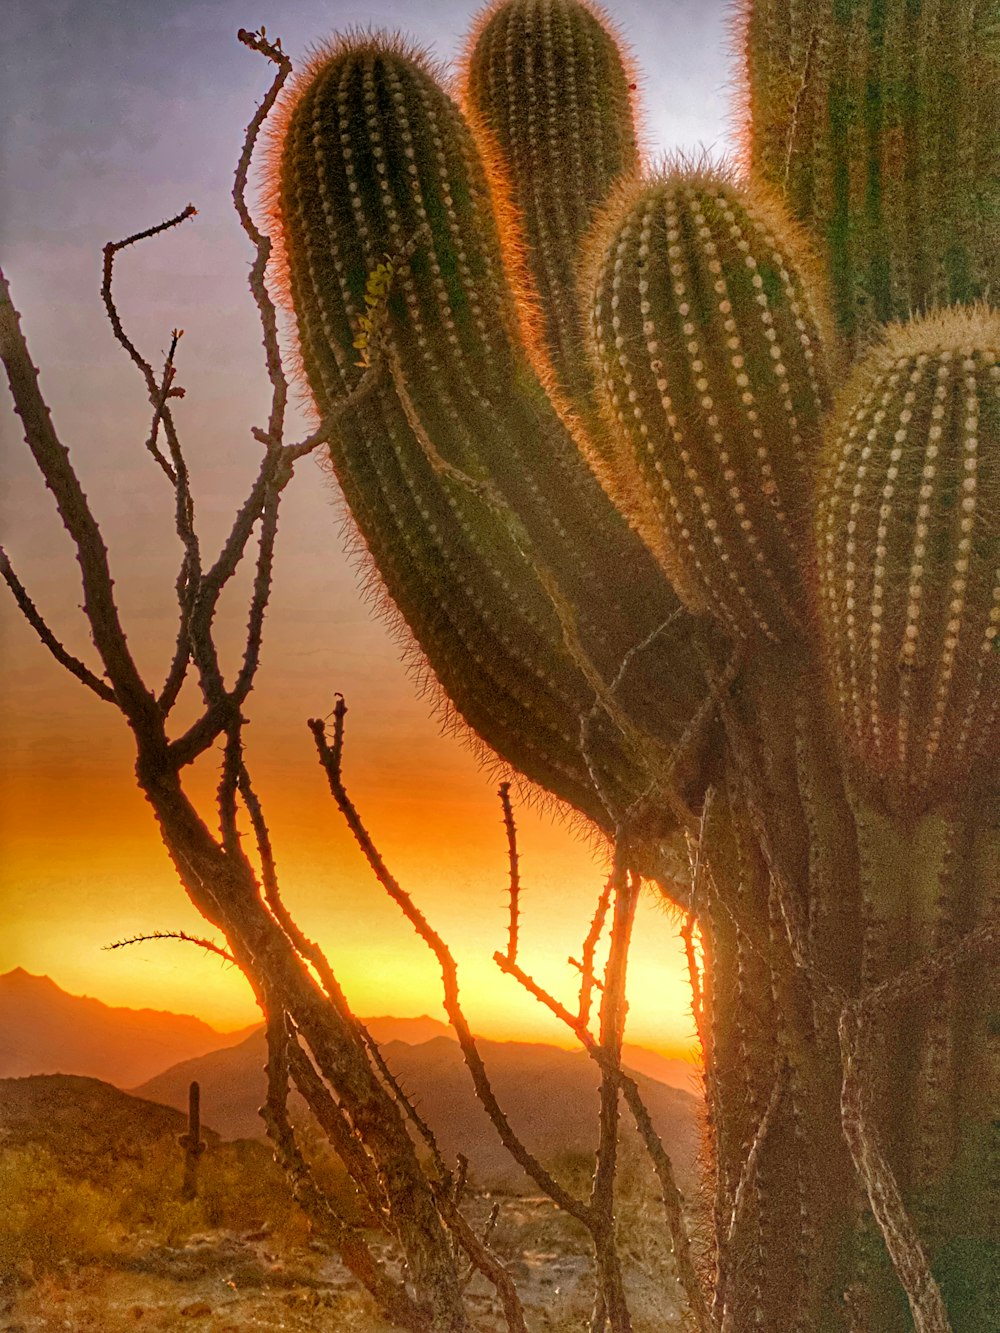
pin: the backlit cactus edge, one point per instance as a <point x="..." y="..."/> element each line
<point x="678" y="521"/>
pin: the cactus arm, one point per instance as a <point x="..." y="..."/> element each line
<point x="417" y="519"/>
<point x="547" y="86"/>
<point x="709" y="343"/>
<point x="376" y="161"/>
<point x="909" y="554"/>
<point x="887" y="106"/>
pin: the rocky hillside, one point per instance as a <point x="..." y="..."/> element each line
<point x="82" y="1120"/>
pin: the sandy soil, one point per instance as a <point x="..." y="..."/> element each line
<point x="221" y="1282"/>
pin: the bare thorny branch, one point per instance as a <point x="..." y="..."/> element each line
<point x="160" y="759"/>
<point x="621" y="893"/>
<point x="595" y="1213"/>
<point x="331" y="757"/>
<point x="349" y="1239"/>
<point x="208" y="945"/>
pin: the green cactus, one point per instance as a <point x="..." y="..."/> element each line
<point x="671" y="558"/>
<point x="876" y="119"/>
<point x="710" y="346"/>
<point x="909" y="555"/>
<point x="551" y="98"/>
<point x="397" y="174"/>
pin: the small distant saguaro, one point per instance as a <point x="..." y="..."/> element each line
<point x="192" y="1144"/>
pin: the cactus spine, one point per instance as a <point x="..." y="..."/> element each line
<point x="655" y="561"/>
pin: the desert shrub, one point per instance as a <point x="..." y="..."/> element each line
<point x="573" y="1168"/>
<point x="48" y="1217"/>
<point x="239" y="1189"/>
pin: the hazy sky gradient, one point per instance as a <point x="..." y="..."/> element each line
<point x="116" y="116"/>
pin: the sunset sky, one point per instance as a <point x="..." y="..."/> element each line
<point x="118" y="113"/>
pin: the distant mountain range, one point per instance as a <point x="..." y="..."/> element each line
<point x="549" y="1095"/>
<point x="43" y="1030"/>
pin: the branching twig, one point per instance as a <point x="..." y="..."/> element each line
<point x="159" y="394"/>
<point x="544" y="997"/>
<point x="232" y="763"/>
<point x="35" y="619"/>
<point x="483" y="1258"/>
<point x="391" y="1296"/>
<point x="314" y="955"/>
<point x="724" y="1315"/>
<point x="587" y="978"/>
<point x="405" y="1103"/>
<point x="513" y="863"/>
<point x="52" y="458"/>
<point x="930" y="971"/>
<point x="175" y="935"/>
<point x="611" y="1307"/>
<point x="673" y="1204"/>
<point x="331" y="756"/>
<point x="167" y="390"/>
<point x="614" y="1079"/>
<point x="908" y="1257"/>
<point x="338" y="1128"/>
<point x="110" y="250"/>
<point x="697" y="903"/>
<point x="256" y="41"/>
<point x="177" y="671"/>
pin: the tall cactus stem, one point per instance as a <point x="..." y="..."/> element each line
<point x="549" y="87"/>
<point x="375" y="161"/>
<point x="193" y="1144"/>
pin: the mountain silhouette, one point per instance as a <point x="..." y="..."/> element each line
<point x="550" y="1096"/>
<point x="665" y="1069"/>
<point x="44" y="1030"/>
<point x="414" y="1031"/>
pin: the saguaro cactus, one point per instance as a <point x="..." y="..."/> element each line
<point x="192" y="1143"/>
<point x="877" y="120"/>
<point x="676" y="560"/>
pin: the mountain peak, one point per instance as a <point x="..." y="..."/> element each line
<point x="19" y="976"/>
<point x="45" y="1030"/>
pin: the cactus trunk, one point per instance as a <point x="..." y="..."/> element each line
<point x="871" y="895"/>
<point x="876" y="120"/>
